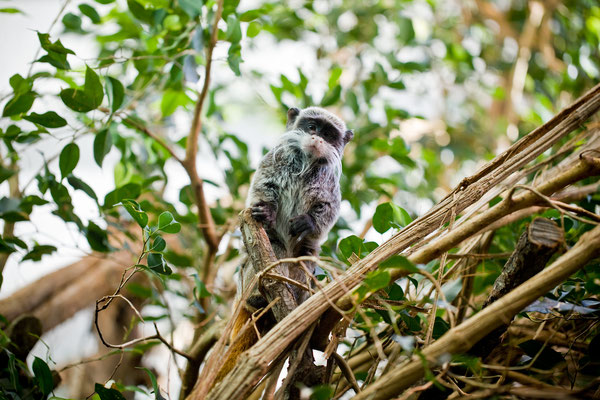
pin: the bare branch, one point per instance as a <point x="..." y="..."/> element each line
<point x="461" y="338"/>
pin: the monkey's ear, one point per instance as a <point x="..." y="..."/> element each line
<point x="292" y="114"/>
<point x="348" y="135"/>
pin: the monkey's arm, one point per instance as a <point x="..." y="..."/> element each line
<point x="308" y="229"/>
<point x="264" y="193"/>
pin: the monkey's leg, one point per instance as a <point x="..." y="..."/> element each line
<point x="306" y="247"/>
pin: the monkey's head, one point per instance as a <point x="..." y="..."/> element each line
<point x="324" y="131"/>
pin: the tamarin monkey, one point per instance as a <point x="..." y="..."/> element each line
<point x="295" y="194"/>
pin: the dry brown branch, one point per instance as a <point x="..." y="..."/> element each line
<point x="32" y="296"/>
<point x="253" y="364"/>
<point x="262" y="259"/>
<point x="461" y="338"/>
<point x="535" y="247"/>
<point x="206" y="221"/>
<point x="156" y="336"/>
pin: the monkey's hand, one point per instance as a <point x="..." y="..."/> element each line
<point x="265" y="213"/>
<point x="302" y="225"/>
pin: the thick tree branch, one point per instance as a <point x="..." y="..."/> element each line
<point x="461" y="338"/>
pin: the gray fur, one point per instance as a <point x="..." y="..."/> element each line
<point x="297" y="187"/>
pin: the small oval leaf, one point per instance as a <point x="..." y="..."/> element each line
<point x="69" y="157"/>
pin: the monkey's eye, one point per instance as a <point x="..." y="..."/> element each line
<point x="312" y="127"/>
<point x="319" y="207"/>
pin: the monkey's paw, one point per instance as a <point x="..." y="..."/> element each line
<point x="264" y="213"/>
<point x="302" y="224"/>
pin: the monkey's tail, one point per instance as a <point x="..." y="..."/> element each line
<point x="243" y="336"/>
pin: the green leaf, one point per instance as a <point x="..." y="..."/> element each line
<point x="171" y="100"/>
<point x="156" y="263"/>
<point x="159" y="244"/>
<point x="395" y="292"/>
<point x="399" y="262"/>
<point x="155" y="387"/>
<point x="108" y="394"/>
<point x="49" y="119"/>
<point x="90" y="12"/>
<point x="374" y="281"/>
<point x="154" y="4"/>
<point x="97" y="238"/>
<point x="388" y="215"/>
<point x="77" y="100"/>
<point x="254" y="29"/>
<point x="234" y="31"/>
<point x="172" y="22"/>
<point x="234" y="58"/>
<point x="11" y="10"/>
<point x="115" y="93"/>
<point x="332" y="96"/>
<point x="87" y="99"/>
<point x="136" y="212"/>
<point x="164" y="219"/>
<point x="93" y="87"/>
<point x="377" y="279"/>
<point x="19" y="104"/>
<point x="43" y="376"/>
<point x="20" y="85"/>
<point x="397" y="85"/>
<point x="322" y="392"/>
<point x="127" y="191"/>
<point x="78" y="184"/>
<point x="69" y="157"/>
<point x="13" y="372"/>
<point x="355" y="245"/>
<point x="334" y="77"/>
<point x="55" y="47"/>
<point x="200" y="291"/>
<point x="405" y="28"/>
<point x="439" y="327"/>
<point x="38" y="251"/>
<point x="102" y="146"/>
<point x="167" y="223"/>
<point x="6" y="173"/>
<point x="6" y="247"/>
<point x="192" y="8"/>
<point x="72" y="22"/>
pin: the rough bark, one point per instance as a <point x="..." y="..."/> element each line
<point x="261" y="256"/>
<point x="461" y="338"/>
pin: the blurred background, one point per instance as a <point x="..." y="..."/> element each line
<point x="433" y="90"/>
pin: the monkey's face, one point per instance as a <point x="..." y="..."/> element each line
<point x="322" y="138"/>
